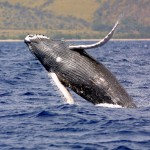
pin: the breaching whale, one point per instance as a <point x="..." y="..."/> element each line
<point x="71" y="67"/>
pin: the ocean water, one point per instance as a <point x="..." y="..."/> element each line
<point x="34" y="116"/>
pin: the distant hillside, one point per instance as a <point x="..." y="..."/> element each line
<point x="136" y="20"/>
<point x="74" y="18"/>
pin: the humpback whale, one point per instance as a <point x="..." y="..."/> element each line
<point x="71" y="67"/>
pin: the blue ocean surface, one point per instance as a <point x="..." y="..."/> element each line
<point x="34" y="115"/>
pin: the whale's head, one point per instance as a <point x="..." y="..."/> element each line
<point x="44" y="49"/>
<point x="36" y="44"/>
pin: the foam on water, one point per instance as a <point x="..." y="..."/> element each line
<point x="109" y="105"/>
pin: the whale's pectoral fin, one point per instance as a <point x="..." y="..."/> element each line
<point x="62" y="88"/>
<point x="98" y="44"/>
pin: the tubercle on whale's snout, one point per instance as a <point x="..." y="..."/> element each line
<point x="31" y="37"/>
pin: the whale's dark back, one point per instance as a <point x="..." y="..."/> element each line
<point x="83" y="74"/>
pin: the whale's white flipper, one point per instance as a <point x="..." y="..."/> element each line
<point x="98" y="44"/>
<point x="62" y="88"/>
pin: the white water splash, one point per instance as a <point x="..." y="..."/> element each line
<point x="109" y="105"/>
